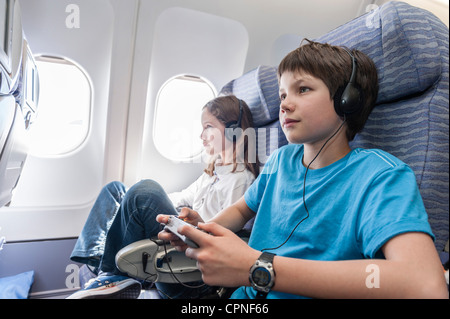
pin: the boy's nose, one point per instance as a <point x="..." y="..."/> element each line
<point x="285" y="106"/>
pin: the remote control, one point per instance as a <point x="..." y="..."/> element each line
<point x="173" y="224"/>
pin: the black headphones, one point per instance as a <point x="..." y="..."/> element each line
<point x="230" y="127"/>
<point x="348" y="99"/>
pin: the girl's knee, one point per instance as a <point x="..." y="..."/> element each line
<point x="114" y="186"/>
<point x="146" y="186"/>
<point x="144" y="191"/>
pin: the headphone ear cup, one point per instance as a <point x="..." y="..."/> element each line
<point x="348" y="100"/>
<point x="337" y="101"/>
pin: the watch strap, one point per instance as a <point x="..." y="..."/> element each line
<point x="267" y="257"/>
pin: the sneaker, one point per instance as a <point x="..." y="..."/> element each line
<point x="109" y="287"/>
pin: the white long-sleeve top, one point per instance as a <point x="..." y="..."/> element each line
<point x="208" y="195"/>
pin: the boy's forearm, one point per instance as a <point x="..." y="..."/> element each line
<point x="350" y="279"/>
<point x="409" y="274"/>
<point x="328" y="279"/>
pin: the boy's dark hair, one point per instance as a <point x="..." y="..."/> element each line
<point x="333" y="65"/>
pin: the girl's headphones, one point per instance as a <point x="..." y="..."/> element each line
<point x="348" y="99"/>
<point x="230" y="127"/>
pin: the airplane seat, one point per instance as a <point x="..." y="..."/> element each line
<point x="410" y="48"/>
<point x="14" y="148"/>
<point x="15" y="116"/>
<point x="411" y="119"/>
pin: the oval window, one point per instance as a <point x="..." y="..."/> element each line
<point x="177" y="121"/>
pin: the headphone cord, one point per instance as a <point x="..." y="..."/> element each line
<point x="304" y="187"/>
<point x="173" y="274"/>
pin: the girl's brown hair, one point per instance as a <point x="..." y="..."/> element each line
<point x="226" y="109"/>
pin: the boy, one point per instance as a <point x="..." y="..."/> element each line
<point x="331" y="222"/>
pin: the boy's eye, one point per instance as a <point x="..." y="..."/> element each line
<point x="304" y="89"/>
<point x="282" y="97"/>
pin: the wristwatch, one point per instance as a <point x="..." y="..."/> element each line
<point x="262" y="274"/>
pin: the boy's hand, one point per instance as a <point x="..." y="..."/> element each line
<point x="188" y="215"/>
<point x="223" y="258"/>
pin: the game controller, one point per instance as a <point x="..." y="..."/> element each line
<point x="173" y="224"/>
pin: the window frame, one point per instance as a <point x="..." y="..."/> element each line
<point x="82" y="140"/>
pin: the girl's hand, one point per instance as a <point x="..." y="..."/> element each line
<point x="190" y="216"/>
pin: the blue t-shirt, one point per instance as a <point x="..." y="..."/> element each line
<point x="355" y="206"/>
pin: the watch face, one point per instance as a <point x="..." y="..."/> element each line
<point x="261" y="276"/>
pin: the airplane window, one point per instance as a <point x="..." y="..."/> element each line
<point x="177" y="125"/>
<point x="63" y="117"/>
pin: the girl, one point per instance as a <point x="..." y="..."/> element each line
<point x="120" y="217"/>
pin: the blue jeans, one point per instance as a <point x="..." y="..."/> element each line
<point x="119" y="218"/>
